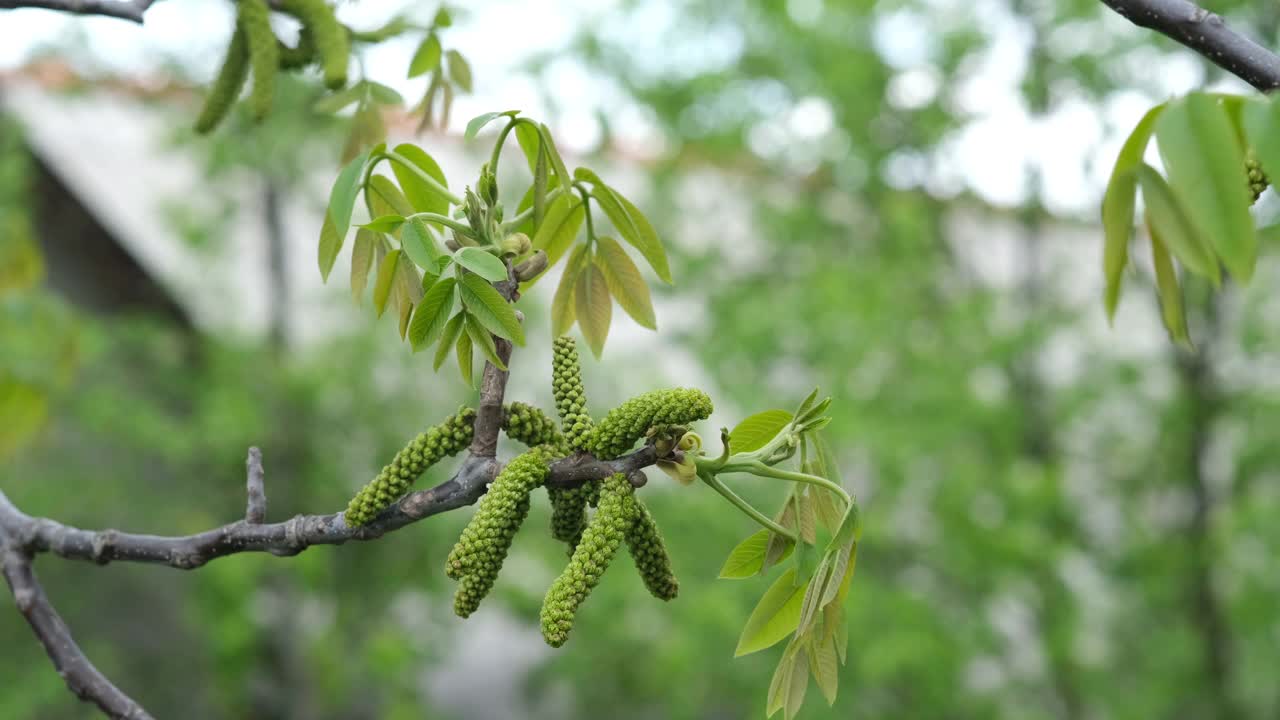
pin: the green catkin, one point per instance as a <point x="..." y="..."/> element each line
<point x="299" y="56"/>
<point x="226" y="87"/>
<point x="331" y="40"/>
<point x="446" y="439"/>
<point x="569" y="512"/>
<point x="571" y="397"/>
<point x="264" y="54"/>
<point x="600" y="541"/>
<point x="1258" y="180"/>
<point x="628" y="422"/>
<point x="530" y="426"/>
<point x="478" y="555"/>
<point x="650" y="553"/>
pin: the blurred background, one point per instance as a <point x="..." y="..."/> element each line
<point x="896" y="201"/>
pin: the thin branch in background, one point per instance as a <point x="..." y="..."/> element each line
<point x="1207" y="34"/>
<point x="82" y="678"/>
<point x="133" y="10"/>
<point x="255" y="512"/>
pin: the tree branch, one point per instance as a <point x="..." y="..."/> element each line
<point x="132" y="10"/>
<point x="255" y="511"/>
<point x="1207" y="34"/>
<point x="82" y="678"/>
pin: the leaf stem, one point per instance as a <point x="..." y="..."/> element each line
<point x="759" y="468"/>
<point x="746" y="507"/>
<point x="528" y="212"/>
<point x="435" y="184"/>
<point x="497" y="146"/>
<point x="444" y="220"/>
<point x="586" y="210"/>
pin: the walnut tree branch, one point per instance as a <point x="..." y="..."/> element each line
<point x="1207" y="34"/>
<point x="82" y="678"/>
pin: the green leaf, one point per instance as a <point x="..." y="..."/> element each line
<point x="530" y="140"/>
<point x="427" y="57"/>
<point x="1205" y="165"/>
<point x="333" y="103"/>
<point x="756" y="431"/>
<point x="478" y="122"/>
<point x="382" y="286"/>
<point x="562" y="305"/>
<point x="1174" y="228"/>
<point x="384" y="224"/>
<point x="465" y="356"/>
<point x="557" y="162"/>
<point x="780" y="684"/>
<point x="558" y="229"/>
<point x="342" y="200"/>
<point x="362" y="261"/>
<point x="799" y="684"/>
<point x="540" y="188"/>
<point x="822" y="660"/>
<point x="850" y="529"/>
<point x="432" y="314"/>
<point x="492" y="310"/>
<point x="807" y="517"/>
<point x="1118" y="206"/>
<point x="459" y="71"/>
<point x="747" y="558"/>
<point x="625" y="283"/>
<point x="482" y="263"/>
<point x="593" y="307"/>
<point x="448" y="337"/>
<point x="841" y="568"/>
<point x="841" y="632"/>
<point x="422" y="196"/>
<point x="775" y="616"/>
<point x="1167" y="287"/>
<point x="420" y="245"/>
<point x="383" y="95"/>
<point x="330" y="246"/>
<point x="442" y="19"/>
<point x="385" y="198"/>
<point x="482" y="339"/>
<point x="634" y="228"/>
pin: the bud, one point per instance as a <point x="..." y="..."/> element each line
<point x="516" y="244"/>
<point x="533" y="267"/>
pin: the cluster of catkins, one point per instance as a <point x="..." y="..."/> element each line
<point x="255" y="48"/>
<point x="592" y="538"/>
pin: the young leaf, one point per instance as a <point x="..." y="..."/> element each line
<point x="406" y="312"/>
<point x="448" y="337"/>
<point x="562" y="305"/>
<point x="420" y="245"/>
<point x="362" y="261"/>
<point x="806" y="516"/>
<point x="459" y="71"/>
<point x="465" y="356"/>
<point x="487" y="305"/>
<point x="384" y="224"/>
<point x="432" y="314"/>
<point x="1205" y="166"/>
<point x="841" y="630"/>
<point x="592" y="306"/>
<point x="1169" y="220"/>
<point x="649" y="245"/>
<point x="850" y="529"/>
<point x="482" y="263"/>
<point x="539" y="188"/>
<point x="812" y="602"/>
<point x="557" y="163"/>
<point x="478" y="122"/>
<point x="1171" y="310"/>
<point x="382" y="286"/>
<point x="383" y="95"/>
<point x="558" y="229"/>
<point x="780" y="684"/>
<point x="330" y="246"/>
<point x="747" y="558"/>
<point x="822" y="660"/>
<point x="481" y="338"/>
<point x="775" y="616"/>
<point x="339" y="100"/>
<point x="757" y="430"/>
<point x="799" y="684"/>
<point x="422" y="196"/>
<point x="427" y="57"/>
<point x="841" y="568"/>
<point x="385" y="198"/>
<point x="530" y="141"/>
<point x="408" y="280"/>
<point x="625" y="282"/>
<point x="342" y="198"/>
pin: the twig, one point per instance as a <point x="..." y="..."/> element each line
<point x="1206" y="33"/>
<point x="82" y="678"/>
<point x="255" y="511"/>
<point x="493" y="384"/>
<point x="132" y="10"/>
